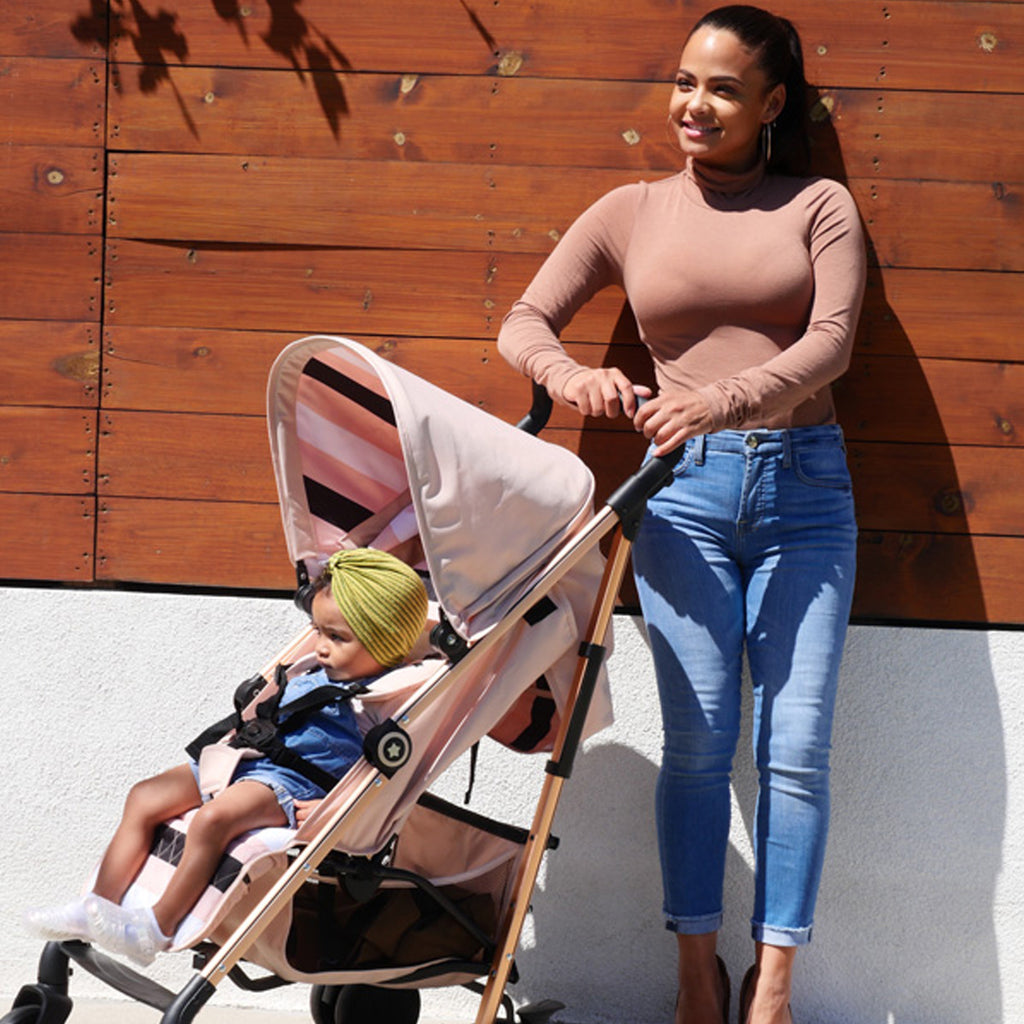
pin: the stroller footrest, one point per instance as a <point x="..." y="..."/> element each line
<point x="119" y="977"/>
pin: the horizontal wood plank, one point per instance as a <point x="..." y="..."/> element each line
<point x="543" y="122"/>
<point x="49" y="363"/>
<point x="320" y="290"/>
<point x="52" y="102"/>
<point x="939" y="578"/>
<point x="942" y="313"/>
<point x="53" y="28"/>
<point x="192" y="543"/>
<point x="47" y="451"/>
<point x="870" y="44"/>
<point x="271" y="200"/>
<point x="166" y="369"/>
<point x="863" y="133"/>
<point x="294" y="201"/>
<point x="50" y="277"/>
<point x="186" y="370"/>
<point x="47" y="537"/>
<point x="919" y="488"/>
<point x="440" y="118"/>
<point x="186" y="456"/>
<point x="947" y="225"/>
<point x="932" y="401"/>
<point x="52" y="189"/>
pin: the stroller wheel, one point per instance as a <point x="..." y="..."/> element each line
<point x="322" y="1000"/>
<point x="368" y="1004"/>
<point x="22" y="1015"/>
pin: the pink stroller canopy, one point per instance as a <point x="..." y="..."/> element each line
<point x="367" y="454"/>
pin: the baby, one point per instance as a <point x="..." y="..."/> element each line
<point x="368" y="611"/>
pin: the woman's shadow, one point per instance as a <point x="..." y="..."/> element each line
<point x="919" y="792"/>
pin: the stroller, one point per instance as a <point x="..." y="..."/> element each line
<point x="386" y="889"/>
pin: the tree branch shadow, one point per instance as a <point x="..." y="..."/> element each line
<point x="156" y="40"/>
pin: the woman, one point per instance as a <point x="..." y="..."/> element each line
<point x="746" y="282"/>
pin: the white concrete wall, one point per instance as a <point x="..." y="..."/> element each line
<point x="921" y="917"/>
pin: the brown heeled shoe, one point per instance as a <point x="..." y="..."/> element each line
<point x="747" y="995"/>
<point x="723" y="977"/>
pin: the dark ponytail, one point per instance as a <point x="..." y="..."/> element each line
<point x="780" y="56"/>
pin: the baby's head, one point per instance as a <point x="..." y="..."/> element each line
<point x="368" y="609"/>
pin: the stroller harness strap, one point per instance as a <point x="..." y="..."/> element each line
<point x="263" y="733"/>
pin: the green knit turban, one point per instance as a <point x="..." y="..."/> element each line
<point x="383" y="601"/>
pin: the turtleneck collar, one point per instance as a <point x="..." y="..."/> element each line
<point x="720" y="182"/>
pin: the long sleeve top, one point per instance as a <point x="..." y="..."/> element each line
<point x="746" y="288"/>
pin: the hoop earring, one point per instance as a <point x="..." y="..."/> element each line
<point x="766" y="141"/>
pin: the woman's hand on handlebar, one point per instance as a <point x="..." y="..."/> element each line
<point x="672" y="418"/>
<point x="604" y="392"/>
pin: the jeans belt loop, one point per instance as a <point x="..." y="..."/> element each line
<point x="699" y="443"/>
<point x="787" y="449"/>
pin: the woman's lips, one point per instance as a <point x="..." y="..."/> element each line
<point x="698" y="131"/>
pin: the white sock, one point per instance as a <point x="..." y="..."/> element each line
<point x="133" y="933"/>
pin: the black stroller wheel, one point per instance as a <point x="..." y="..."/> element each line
<point x="22" y="1015"/>
<point x="368" y="1004"/>
<point x="322" y="1000"/>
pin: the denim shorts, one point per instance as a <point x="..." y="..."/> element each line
<point x="286" y="785"/>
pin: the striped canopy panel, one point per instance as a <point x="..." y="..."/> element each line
<point x="368" y="454"/>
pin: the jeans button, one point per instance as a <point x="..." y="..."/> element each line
<point x="752" y="440"/>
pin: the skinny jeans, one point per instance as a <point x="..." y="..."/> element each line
<point x="751" y="547"/>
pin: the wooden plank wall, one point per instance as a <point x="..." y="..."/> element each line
<point x="396" y="172"/>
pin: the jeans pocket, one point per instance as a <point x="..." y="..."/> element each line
<point x="822" y="466"/>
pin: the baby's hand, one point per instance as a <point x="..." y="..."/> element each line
<point x="304" y="808"/>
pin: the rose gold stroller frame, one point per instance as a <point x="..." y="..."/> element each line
<point x="618" y="518"/>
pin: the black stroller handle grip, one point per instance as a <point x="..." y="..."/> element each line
<point x="540" y="411"/>
<point x="629" y="499"/>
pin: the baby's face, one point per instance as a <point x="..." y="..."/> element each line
<point x="339" y="653"/>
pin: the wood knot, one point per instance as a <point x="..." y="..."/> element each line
<point x="509" y="63"/>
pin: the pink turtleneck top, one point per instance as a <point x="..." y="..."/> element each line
<point x="746" y="288"/>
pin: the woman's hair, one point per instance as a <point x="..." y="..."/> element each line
<point x="779" y="55"/>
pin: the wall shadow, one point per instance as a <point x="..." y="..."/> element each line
<point x="914" y="564"/>
<point x="155" y="39"/>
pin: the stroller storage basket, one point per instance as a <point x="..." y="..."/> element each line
<point x="400" y="916"/>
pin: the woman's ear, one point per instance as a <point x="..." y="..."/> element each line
<point x="775" y="102"/>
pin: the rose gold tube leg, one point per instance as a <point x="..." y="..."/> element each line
<point x="540" y="831"/>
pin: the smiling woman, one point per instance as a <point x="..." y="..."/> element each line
<point x="722" y="99"/>
<point x="746" y="282"/>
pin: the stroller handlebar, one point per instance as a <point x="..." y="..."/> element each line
<point x="540" y="411"/>
<point x="631" y="496"/>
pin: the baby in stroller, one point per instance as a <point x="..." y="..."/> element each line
<point x="368" y="610"/>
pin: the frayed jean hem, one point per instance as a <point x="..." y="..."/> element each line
<point x="780" y="936"/>
<point x="694" y="925"/>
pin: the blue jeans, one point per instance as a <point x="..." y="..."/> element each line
<point x="752" y="545"/>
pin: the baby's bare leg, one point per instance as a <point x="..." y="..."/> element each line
<point x="149" y="803"/>
<point x="242" y="806"/>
